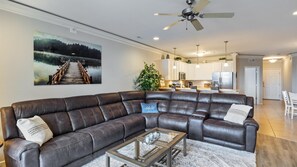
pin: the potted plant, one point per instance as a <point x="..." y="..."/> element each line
<point x="148" y="79"/>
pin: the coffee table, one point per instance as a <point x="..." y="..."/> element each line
<point x="160" y="152"/>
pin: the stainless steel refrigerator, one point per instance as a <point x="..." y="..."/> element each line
<point x="222" y="80"/>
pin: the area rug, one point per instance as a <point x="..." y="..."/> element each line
<point x="199" y="154"/>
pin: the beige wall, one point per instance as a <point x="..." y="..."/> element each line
<point x="120" y="63"/>
<point x="243" y="61"/>
<point x="287" y="74"/>
<point x="294" y="72"/>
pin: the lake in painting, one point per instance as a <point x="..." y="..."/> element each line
<point x="60" y="61"/>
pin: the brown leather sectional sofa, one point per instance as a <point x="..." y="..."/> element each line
<point x="85" y="126"/>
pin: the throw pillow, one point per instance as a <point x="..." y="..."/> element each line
<point x="149" y="108"/>
<point x="237" y="113"/>
<point x="35" y="129"/>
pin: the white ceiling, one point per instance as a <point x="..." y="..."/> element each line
<point x="260" y="27"/>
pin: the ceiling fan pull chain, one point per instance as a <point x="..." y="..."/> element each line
<point x="186" y="25"/>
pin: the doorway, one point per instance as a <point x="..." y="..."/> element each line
<point x="252" y="83"/>
<point x="272" y="84"/>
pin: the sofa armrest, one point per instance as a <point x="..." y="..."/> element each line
<point x="21" y="152"/>
<point x="200" y="114"/>
<point x="151" y="120"/>
<point x="251" y="127"/>
<point x="195" y="130"/>
<point x="251" y="122"/>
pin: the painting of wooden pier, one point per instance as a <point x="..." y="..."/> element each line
<point x="63" y="61"/>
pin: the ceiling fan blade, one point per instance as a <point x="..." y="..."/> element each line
<point x="173" y="24"/>
<point x="167" y="14"/>
<point x="200" y="5"/>
<point x="216" y="15"/>
<point x="197" y="24"/>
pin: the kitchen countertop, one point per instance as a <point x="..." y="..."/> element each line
<point x="200" y="89"/>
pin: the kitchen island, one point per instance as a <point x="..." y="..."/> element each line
<point x="200" y="90"/>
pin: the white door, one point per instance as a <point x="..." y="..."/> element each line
<point x="272" y="84"/>
<point x="251" y="83"/>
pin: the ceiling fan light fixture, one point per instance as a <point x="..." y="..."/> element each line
<point x="272" y="60"/>
<point x="166" y="28"/>
<point x="295" y="13"/>
<point x="226" y="64"/>
<point x="156" y="38"/>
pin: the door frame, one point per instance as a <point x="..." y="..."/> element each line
<point x="258" y="83"/>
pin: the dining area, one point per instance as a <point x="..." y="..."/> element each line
<point x="290" y="101"/>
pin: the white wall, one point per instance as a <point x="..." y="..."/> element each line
<point x="120" y="63"/>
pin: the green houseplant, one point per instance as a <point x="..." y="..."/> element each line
<point x="148" y="79"/>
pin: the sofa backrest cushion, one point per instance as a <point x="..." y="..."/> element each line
<point x="83" y="111"/>
<point x="183" y="103"/>
<point x="8" y="122"/>
<point x="132" y="101"/>
<point x="250" y="102"/>
<point x="52" y="111"/>
<point x="111" y="106"/>
<point x="162" y="98"/>
<point x="203" y="103"/>
<point x="220" y="104"/>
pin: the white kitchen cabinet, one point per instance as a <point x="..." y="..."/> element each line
<point x="190" y="72"/>
<point x="205" y="71"/>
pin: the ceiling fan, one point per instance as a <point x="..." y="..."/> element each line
<point x="192" y="12"/>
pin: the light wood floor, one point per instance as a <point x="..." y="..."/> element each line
<point x="277" y="136"/>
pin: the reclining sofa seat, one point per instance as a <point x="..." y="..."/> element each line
<point x="114" y="111"/>
<point x="65" y="147"/>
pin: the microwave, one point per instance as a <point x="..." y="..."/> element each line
<point x="181" y="76"/>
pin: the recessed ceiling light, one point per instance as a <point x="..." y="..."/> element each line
<point x="156" y="38"/>
<point x="295" y="13"/>
<point x="156" y="14"/>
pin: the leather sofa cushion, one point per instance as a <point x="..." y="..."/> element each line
<point x="182" y="107"/>
<point x="224" y="130"/>
<point x="28" y="109"/>
<point x="219" y="110"/>
<point x="108" y="98"/>
<point x="111" y="106"/>
<point x="151" y="120"/>
<point x="174" y="121"/>
<point x="86" y="117"/>
<point x="113" y="111"/>
<point x="228" y="98"/>
<point x="132" y="124"/>
<point x="64" y="149"/>
<point x="59" y="123"/>
<point x="250" y="102"/>
<point x="104" y="134"/>
<point x="132" y="95"/>
<point x="52" y="111"/>
<point x="132" y="100"/>
<point x="158" y="95"/>
<point x="184" y="96"/>
<point x="79" y="102"/>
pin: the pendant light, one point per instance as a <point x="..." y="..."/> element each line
<point x="226" y="63"/>
<point x="197" y="65"/>
<point x="174" y="65"/>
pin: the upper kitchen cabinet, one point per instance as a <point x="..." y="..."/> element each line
<point x="204" y="72"/>
<point x="167" y="70"/>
